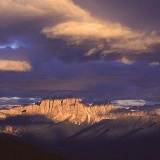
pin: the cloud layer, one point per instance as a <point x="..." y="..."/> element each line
<point x="119" y="38"/>
<point x="75" y="24"/>
<point x="85" y="48"/>
<point x="16" y="66"/>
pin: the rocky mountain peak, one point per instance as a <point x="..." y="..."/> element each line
<point x="74" y="110"/>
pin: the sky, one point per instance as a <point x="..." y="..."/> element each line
<point x="84" y="48"/>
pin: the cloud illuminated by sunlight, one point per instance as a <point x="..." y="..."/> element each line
<point x="118" y="37"/>
<point x="126" y="61"/>
<point x="16" y="66"/>
<point x="75" y="25"/>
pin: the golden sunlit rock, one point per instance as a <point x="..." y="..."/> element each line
<point x="73" y="110"/>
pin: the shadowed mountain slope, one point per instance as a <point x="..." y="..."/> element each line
<point x="104" y="132"/>
<point x="12" y="148"/>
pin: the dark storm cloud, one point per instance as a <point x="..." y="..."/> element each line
<point x="142" y="14"/>
<point x="108" y="53"/>
<point x="99" y="79"/>
<point x="26" y="28"/>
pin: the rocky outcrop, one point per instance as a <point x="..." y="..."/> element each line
<point x="60" y="110"/>
<point x="9" y="130"/>
<point x="73" y="110"/>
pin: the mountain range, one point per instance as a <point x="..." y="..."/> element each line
<point x="75" y="130"/>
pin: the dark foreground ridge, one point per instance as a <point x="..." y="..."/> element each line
<point x="12" y="148"/>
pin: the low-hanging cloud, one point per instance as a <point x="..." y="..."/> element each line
<point x="126" y="61"/>
<point x="16" y="66"/>
<point x="154" y="64"/>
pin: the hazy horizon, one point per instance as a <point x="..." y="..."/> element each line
<point x="7" y="102"/>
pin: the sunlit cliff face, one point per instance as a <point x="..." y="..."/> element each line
<point x="75" y="111"/>
<point x="83" y="48"/>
